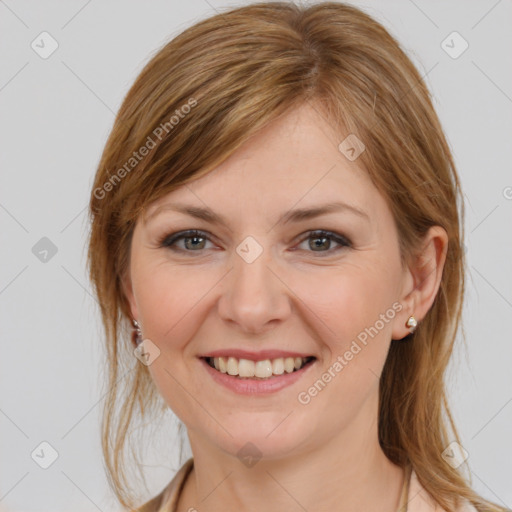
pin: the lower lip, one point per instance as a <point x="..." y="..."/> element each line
<point x="247" y="386"/>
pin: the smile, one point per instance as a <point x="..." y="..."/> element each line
<point x="248" y="377"/>
<point x="264" y="369"/>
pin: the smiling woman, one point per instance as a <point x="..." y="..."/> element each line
<point x="282" y="270"/>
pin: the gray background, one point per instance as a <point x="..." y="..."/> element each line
<point x="55" y="116"/>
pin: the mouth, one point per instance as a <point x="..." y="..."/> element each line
<point x="265" y="369"/>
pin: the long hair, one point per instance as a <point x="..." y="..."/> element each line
<point x="197" y="100"/>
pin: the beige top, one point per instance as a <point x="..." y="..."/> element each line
<point x="414" y="497"/>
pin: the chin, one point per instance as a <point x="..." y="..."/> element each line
<point x="265" y="439"/>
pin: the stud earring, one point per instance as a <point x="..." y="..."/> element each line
<point x="411" y="323"/>
<point x="136" y="333"/>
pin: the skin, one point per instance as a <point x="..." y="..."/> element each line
<point x="324" y="455"/>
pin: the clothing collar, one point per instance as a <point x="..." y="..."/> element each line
<point x="414" y="496"/>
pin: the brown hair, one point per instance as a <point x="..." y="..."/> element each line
<point x="199" y="99"/>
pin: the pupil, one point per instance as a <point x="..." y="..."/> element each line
<point x="194" y="238"/>
<point x="323" y="240"/>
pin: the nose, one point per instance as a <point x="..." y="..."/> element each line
<point x="254" y="296"/>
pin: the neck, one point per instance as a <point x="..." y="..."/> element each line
<point x="348" y="473"/>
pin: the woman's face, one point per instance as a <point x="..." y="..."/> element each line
<point x="260" y="281"/>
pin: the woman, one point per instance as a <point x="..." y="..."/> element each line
<point x="276" y="219"/>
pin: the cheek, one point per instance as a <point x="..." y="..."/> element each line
<point x="351" y="309"/>
<point x="348" y="300"/>
<point x="167" y="297"/>
<point x="169" y="303"/>
<point x="345" y="310"/>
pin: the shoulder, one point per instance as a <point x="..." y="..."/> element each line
<point x="420" y="501"/>
<point x="167" y="499"/>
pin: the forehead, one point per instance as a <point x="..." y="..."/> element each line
<point x="293" y="162"/>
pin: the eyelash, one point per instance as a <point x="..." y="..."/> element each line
<point x="168" y="241"/>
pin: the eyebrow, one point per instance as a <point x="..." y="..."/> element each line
<point x="295" y="215"/>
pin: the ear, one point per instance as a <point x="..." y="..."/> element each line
<point x="422" y="280"/>
<point x="126" y="284"/>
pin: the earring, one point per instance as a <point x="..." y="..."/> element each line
<point x="136" y="333"/>
<point x="411" y="323"/>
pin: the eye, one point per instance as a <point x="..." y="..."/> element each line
<point x="194" y="241"/>
<point x="320" y="240"/>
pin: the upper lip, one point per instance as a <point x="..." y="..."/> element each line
<point x="254" y="356"/>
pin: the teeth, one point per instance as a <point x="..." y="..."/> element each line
<point x="261" y="369"/>
<point x="232" y="366"/>
<point x="278" y="366"/>
<point x="245" y="368"/>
